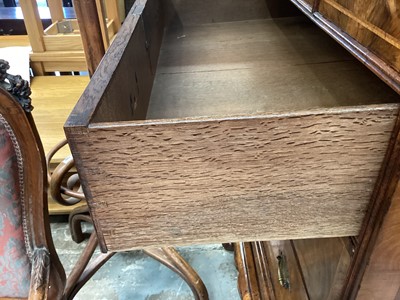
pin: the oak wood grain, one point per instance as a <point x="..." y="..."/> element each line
<point x="299" y="175"/>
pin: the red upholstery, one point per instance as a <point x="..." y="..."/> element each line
<point x="15" y="265"/>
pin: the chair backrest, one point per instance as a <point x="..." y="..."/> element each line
<point x="29" y="265"/>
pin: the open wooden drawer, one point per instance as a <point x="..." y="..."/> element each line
<point x="212" y="122"/>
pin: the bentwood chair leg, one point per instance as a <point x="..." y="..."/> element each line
<point x="83" y="271"/>
<point x="76" y="218"/>
<point x="169" y="257"/>
<point x="80" y="265"/>
<point x="89" y="271"/>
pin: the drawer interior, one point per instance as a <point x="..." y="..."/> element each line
<point x="257" y="66"/>
<point x="226" y="58"/>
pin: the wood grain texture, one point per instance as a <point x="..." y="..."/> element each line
<point x="56" y="10"/>
<point x="376" y="25"/>
<point x="113" y="14"/>
<point x="370" y="59"/>
<point x="60" y="42"/>
<point x="299" y="175"/>
<point x="92" y="96"/>
<point x="316" y="268"/>
<point x="247" y="273"/>
<point x="101" y="15"/>
<point x="90" y="32"/>
<point x="257" y="66"/>
<point x="382" y="275"/>
<point x="134" y="76"/>
<point x="33" y="24"/>
<point x="54" y="98"/>
<point x="14" y="40"/>
<point x="324" y="264"/>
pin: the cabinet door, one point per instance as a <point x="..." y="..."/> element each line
<point x="307" y="269"/>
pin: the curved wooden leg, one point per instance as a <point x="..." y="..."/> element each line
<point x="89" y="271"/>
<point x="80" y="265"/>
<point x="83" y="271"/>
<point x="76" y="218"/>
<point x="169" y="257"/>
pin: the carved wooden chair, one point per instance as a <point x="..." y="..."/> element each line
<point x="29" y="265"/>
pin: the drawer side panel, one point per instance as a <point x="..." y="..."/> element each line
<point x="292" y="176"/>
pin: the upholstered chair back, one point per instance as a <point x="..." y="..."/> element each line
<point x="29" y="265"/>
<point x="15" y="257"/>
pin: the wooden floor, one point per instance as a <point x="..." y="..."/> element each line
<point x="53" y="98"/>
<point x="257" y="66"/>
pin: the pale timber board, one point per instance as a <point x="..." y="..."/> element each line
<point x="53" y="98"/>
<point x="258" y="66"/>
<point x="300" y="175"/>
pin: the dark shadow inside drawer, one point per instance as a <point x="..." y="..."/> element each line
<point x="218" y="123"/>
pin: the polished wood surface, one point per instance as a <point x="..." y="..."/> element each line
<point x="368" y="30"/>
<point x="376" y="25"/>
<point x="324" y="264"/>
<point x="54" y="98"/>
<point x="382" y="275"/>
<point x="315" y="269"/>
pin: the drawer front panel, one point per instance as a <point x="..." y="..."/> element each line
<point x="299" y="175"/>
<point x="374" y="24"/>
